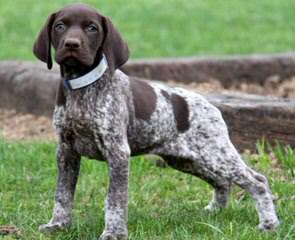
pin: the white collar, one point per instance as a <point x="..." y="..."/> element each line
<point x="88" y="78"/>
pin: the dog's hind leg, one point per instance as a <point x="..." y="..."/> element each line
<point x="258" y="187"/>
<point x="222" y="160"/>
<point x="221" y="185"/>
<point x="219" y="164"/>
<point x="226" y="163"/>
<point x="68" y="163"/>
<point x="220" y="197"/>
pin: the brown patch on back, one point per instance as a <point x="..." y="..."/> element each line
<point x="181" y="112"/>
<point x="144" y="99"/>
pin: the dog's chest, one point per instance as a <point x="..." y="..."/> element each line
<point x="78" y="127"/>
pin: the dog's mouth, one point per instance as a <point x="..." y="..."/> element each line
<point x="69" y="58"/>
<point x="71" y="61"/>
<point x="72" y="58"/>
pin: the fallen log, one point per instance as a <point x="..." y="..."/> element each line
<point x="228" y="70"/>
<point x="29" y="87"/>
<point x="253" y="117"/>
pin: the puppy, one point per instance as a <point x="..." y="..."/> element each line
<point x="103" y="114"/>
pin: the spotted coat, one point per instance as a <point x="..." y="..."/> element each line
<point x="104" y="122"/>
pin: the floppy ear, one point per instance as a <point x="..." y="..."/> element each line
<point x="42" y="45"/>
<point x="113" y="46"/>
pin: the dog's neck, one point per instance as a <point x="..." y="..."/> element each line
<point x="71" y="72"/>
<point x="78" y="70"/>
<point x="74" y="72"/>
<point x="76" y="81"/>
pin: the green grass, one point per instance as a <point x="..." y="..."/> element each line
<point x="163" y="203"/>
<point x="157" y="28"/>
<point x="284" y="155"/>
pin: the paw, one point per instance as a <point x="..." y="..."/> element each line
<point x="269" y="225"/>
<point x="112" y="236"/>
<point x="212" y="207"/>
<point x="53" y="226"/>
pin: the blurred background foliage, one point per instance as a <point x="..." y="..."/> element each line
<point x="157" y="28"/>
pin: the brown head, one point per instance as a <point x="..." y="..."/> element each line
<point x="80" y="35"/>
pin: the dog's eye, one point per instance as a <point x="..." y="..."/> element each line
<point x="92" y="28"/>
<point x="60" y="27"/>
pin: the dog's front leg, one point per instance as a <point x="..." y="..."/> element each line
<point x="68" y="162"/>
<point x="116" y="206"/>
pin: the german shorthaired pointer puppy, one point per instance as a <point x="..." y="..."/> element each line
<point x="103" y="114"/>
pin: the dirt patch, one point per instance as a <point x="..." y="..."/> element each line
<point x="274" y="86"/>
<point x="21" y="126"/>
<point x="10" y="230"/>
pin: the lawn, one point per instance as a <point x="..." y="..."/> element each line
<point x="163" y="204"/>
<point x="157" y="28"/>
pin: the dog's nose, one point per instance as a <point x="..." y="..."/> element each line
<point x="72" y="43"/>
